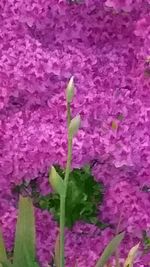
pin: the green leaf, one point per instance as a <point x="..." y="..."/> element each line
<point x="24" y="249"/>
<point x="110" y="249"/>
<point x="56" y="182"/>
<point x="83" y="196"/>
<point x="5" y="264"/>
<point x="30" y="262"/>
<point x="8" y="264"/>
<point x="87" y="169"/>
<point x="131" y="256"/>
<point x="3" y="256"/>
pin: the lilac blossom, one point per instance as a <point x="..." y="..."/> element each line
<point x="105" y="45"/>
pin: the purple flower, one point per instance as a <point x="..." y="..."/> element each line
<point x="105" y="45"/>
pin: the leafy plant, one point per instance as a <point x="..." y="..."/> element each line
<point x="109" y="250"/>
<point x="24" y="248"/>
<point x="65" y="187"/>
<point x="107" y="253"/>
<point x="83" y="196"/>
<point x="24" y="251"/>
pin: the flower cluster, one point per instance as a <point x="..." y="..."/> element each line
<point x="106" y="46"/>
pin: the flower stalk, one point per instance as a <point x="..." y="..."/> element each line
<point x="74" y="123"/>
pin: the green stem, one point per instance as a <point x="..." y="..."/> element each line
<point x="68" y="114"/>
<point x="117" y="231"/>
<point x="62" y="231"/>
<point x="68" y="163"/>
<point x="63" y="198"/>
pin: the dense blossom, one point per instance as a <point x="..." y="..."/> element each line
<point x="129" y="205"/>
<point x="106" y="46"/>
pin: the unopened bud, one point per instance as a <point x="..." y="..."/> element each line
<point x="70" y="90"/>
<point x="74" y="125"/>
<point x="56" y="181"/>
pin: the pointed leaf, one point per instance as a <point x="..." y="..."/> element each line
<point x="28" y="259"/>
<point x="109" y="250"/>
<point x="25" y="234"/>
<point x="3" y="256"/>
<point x="131" y="256"/>
<point x="56" y="182"/>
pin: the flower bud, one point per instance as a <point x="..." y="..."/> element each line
<point x="70" y="90"/>
<point x="56" y="182"/>
<point x="74" y="125"/>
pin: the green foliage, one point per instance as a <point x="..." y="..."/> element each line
<point x="131" y="256"/>
<point x="110" y="250"/>
<point x="3" y="256"/>
<point x="83" y="196"/>
<point x="24" y="249"/>
<point x="56" y="182"/>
